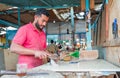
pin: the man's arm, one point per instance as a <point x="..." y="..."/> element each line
<point x="16" y="48"/>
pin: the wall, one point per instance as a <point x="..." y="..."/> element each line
<point x="114" y="12"/>
<point x="2" y="64"/>
<point x="108" y="47"/>
<point x="112" y="51"/>
<point x="55" y="28"/>
<point x="113" y="45"/>
<point x="99" y="30"/>
<point x="10" y="60"/>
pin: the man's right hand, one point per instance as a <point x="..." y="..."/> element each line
<point x="42" y="54"/>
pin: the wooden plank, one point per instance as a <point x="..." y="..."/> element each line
<point x="107" y="21"/>
<point x="82" y="3"/>
<point x="92" y="4"/>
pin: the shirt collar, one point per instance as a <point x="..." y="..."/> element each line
<point x="32" y="26"/>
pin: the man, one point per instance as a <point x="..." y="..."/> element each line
<point x="30" y="41"/>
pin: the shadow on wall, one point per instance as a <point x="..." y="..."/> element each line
<point x="102" y="52"/>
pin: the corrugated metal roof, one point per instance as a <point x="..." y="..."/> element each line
<point x="42" y="3"/>
<point x="27" y="9"/>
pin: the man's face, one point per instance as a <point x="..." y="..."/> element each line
<point x="41" y="21"/>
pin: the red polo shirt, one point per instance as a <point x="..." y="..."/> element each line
<point x="30" y="38"/>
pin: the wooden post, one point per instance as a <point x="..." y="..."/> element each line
<point x="107" y="21"/>
<point x="82" y="4"/>
<point x="92" y="3"/>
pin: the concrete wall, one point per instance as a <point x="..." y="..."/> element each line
<point x="113" y="45"/>
<point x="113" y="55"/>
<point x="114" y="12"/>
<point x="108" y="47"/>
<point x="2" y="64"/>
<point x="113" y="51"/>
<point x="53" y="28"/>
<point x="101" y="52"/>
<point x="8" y="60"/>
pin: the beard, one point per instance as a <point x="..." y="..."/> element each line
<point x="39" y="27"/>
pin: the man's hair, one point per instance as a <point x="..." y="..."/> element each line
<point x="52" y="41"/>
<point x="42" y="11"/>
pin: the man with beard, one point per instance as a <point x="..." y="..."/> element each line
<point x="30" y="41"/>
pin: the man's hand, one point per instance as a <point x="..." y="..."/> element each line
<point x="42" y="54"/>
